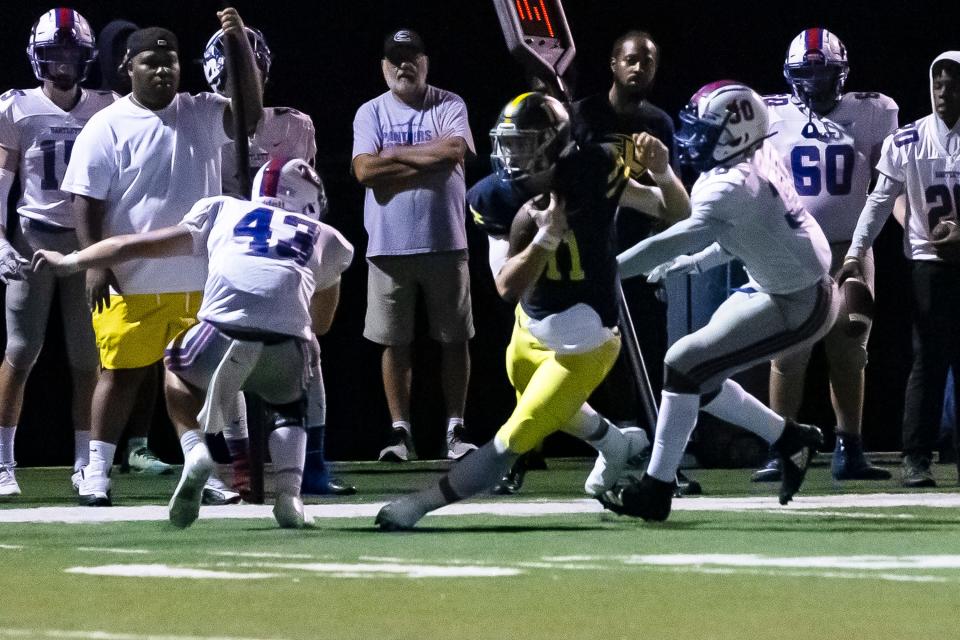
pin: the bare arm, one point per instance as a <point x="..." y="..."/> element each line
<point x="323" y="307"/>
<point x="534" y="237"/>
<point x="377" y="172"/>
<point x="160" y="243"/>
<point x="248" y="87"/>
<point x="669" y="201"/>
<point x="440" y="154"/>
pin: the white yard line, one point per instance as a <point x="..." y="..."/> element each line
<point x="507" y="508"/>
<point x="63" y="634"/>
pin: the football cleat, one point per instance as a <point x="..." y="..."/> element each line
<point x="796" y="448"/>
<point x="770" y="472"/>
<point x="93" y="490"/>
<point x="850" y="463"/>
<point x="646" y="498"/>
<point x="610" y="465"/>
<point x="185" y="503"/>
<point x="8" y="481"/>
<point x="686" y="486"/>
<point x="322" y="484"/>
<point x="288" y="511"/>
<point x="216" y="493"/>
<point x="400" y="515"/>
<point x="512" y="481"/>
<point x="457" y="447"/>
<point x="145" y="461"/>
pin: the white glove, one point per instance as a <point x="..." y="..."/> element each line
<point x="11" y="262"/>
<point x="551" y="221"/>
<point x="679" y="266"/>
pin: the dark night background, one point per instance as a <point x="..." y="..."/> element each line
<point x="326" y="63"/>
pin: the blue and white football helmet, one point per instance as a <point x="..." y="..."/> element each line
<point x="816" y="67"/>
<point x="290" y="184"/>
<point x="723" y="122"/>
<point x="61" y="36"/>
<point x="213" y="59"/>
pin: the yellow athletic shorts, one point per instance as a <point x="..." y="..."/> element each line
<point x="550" y="387"/>
<point x="135" y="329"/>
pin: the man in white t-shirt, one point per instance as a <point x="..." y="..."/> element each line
<point x="38" y="127"/>
<point x="922" y="161"/>
<point x="140" y="165"/>
<point x="268" y="254"/>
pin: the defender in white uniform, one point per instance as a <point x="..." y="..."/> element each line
<point x="37" y="130"/>
<point x="829" y="141"/>
<point x="922" y="160"/>
<point x="273" y="282"/>
<point x="744" y="206"/>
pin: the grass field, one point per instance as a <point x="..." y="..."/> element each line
<point x="863" y="560"/>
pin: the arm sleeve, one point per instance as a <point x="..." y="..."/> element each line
<point x="366" y="132"/>
<point x="199" y="221"/>
<point x="875" y="212"/>
<point x="685" y="237"/>
<point x="334" y="253"/>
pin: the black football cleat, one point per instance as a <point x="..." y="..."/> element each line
<point x="686" y="486"/>
<point x="512" y="482"/>
<point x="769" y="472"/>
<point x="646" y="498"/>
<point x="796" y="448"/>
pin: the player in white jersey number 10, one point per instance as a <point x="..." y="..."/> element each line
<point x="269" y="255"/>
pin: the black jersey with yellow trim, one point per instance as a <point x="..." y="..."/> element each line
<point x="493" y="203"/>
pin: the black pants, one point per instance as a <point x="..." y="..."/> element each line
<point x="936" y="348"/>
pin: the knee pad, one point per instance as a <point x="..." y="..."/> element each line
<point x="678" y="382"/>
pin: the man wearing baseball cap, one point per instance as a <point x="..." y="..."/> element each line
<point x="171" y="158"/>
<point x="409" y="145"/>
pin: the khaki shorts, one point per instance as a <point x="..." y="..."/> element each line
<point x="392" y="287"/>
<point x="135" y="329"/>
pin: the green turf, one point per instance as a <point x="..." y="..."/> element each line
<point x="575" y="580"/>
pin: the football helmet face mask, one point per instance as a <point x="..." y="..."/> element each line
<point x="291" y="185"/>
<point x="816" y="68"/>
<point x="723" y="122"/>
<point x="214" y="69"/>
<point x="61" y="37"/>
<point x="531" y="133"/>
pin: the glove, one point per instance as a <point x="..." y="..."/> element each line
<point x="850" y="269"/>
<point x="11" y="263"/>
<point x="551" y="221"/>
<point x="679" y="266"/>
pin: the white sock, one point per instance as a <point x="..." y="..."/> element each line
<point x="584" y="423"/>
<point x="6" y="444"/>
<point x="402" y="424"/>
<point x="288" y="449"/>
<point x="736" y="406"/>
<point x="136" y="443"/>
<point x="678" y="417"/>
<point x="101" y="457"/>
<point x="189" y="440"/>
<point x="237" y="421"/>
<point x="608" y="441"/>
<point x="81" y="449"/>
<point x="453" y="422"/>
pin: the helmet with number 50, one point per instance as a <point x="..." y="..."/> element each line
<point x="532" y="131"/>
<point x="722" y="123"/>
<point x="816" y="67"/>
<point x="62" y="47"/>
<point x="292" y="185"/>
<point x="213" y="59"/>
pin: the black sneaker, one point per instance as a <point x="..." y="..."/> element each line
<point x="646" y="498"/>
<point x="916" y="472"/>
<point x="796" y="448"/>
<point x="849" y="462"/>
<point x="769" y="472"/>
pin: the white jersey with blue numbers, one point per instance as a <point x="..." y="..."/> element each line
<point x="264" y="264"/>
<point x="831" y="157"/>
<point x="43" y="134"/>
<point x="281" y="132"/>
<point x="915" y="156"/>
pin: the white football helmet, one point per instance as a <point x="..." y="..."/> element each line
<point x="290" y="184"/>
<point x="61" y="36"/>
<point x="213" y="59"/>
<point x="816" y="67"/>
<point x="723" y="121"/>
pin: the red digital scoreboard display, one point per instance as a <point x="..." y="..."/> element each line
<point x="537" y="17"/>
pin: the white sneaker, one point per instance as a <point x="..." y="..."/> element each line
<point x="8" y="481"/>
<point x="400" y="449"/>
<point x="456" y="447"/>
<point x="93" y="490"/>
<point x="144" y="461"/>
<point x="185" y="503"/>
<point x="215" y="492"/>
<point x="288" y="510"/>
<point x="75" y="479"/>
<point x="610" y="465"/>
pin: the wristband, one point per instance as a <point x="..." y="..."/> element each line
<point x="546" y="240"/>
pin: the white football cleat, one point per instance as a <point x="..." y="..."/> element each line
<point x="216" y="492"/>
<point x="8" y="482"/>
<point x="611" y="465"/>
<point x="185" y="503"/>
<point x="288" y="510"/>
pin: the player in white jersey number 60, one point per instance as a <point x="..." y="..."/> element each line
<point x="266" y="255"/>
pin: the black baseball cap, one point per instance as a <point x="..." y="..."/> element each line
<point x="402" y="41"/>
<point x="149" y="39"/>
